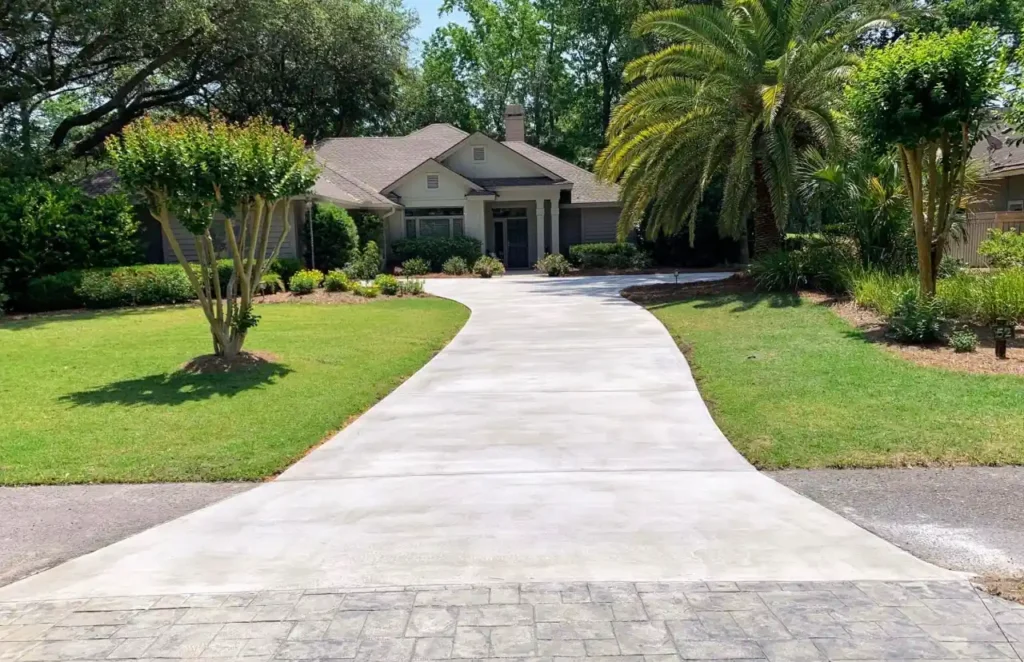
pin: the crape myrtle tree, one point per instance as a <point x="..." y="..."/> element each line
<point x="927" y="97"/>
<point x="739" y="90"/>
<point x="239" y="176"/>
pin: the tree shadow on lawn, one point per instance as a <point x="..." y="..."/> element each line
<point x="179" y="387"/>
<point x="26" y="321"/>
<point x="735" y="293"/>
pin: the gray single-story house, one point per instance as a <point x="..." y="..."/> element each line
<point x="518" y="200"/>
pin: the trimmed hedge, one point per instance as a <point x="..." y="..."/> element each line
<point x="437" y="250"/>
<point x="603" y="256"/>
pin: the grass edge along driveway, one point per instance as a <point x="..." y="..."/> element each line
<point x="98" y="397"/>
<point x="794" y="386"/>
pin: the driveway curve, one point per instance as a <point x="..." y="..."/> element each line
<point x="559" y="437"/>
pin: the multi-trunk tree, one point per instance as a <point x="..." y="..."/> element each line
<point x="927" y="97"/>
<point x="242" y="178"/>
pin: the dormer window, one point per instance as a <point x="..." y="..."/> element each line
<point x="433" y="182"/>
<point x="479" y="154"/>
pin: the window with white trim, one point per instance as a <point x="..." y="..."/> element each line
<point x="479" y="154"/>
<point x="1015" y="205"/>
<point x="433" y="181"/>
<point x="434" y="222"/>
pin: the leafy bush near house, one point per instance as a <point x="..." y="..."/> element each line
<point x="144" y="285"/>
<point x="455" y="266"/>
<point x="416" y="266"/>
<point x="915" y="320"/>
<point x="410" y="287"/>
<point x="285" y="267"/>
<point x="335" y="237"/>
<point x="305" y="281"/>
<point x="879" y="290"/>
<point x="270" y="283"/>
<point x="368" y="291"/>
<point x="642" y="260"/>
<point x="488" y="266"/>
<point x="47" y="228"/>
<point x="366" y="265"/>
<point x="1003" y="249"/>
<point x="603" y="255"/>
<point x="553" y="264"/>
<point x="437" y="250"/>
<point x="963" y="340"/>
<point x="1002" y="295"/>
<point x="336" y="281"/>
<point x="387" y="284"/>
<point x="3" y="298"/>
<point x="781" y="271"/>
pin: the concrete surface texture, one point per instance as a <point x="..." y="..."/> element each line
<point x="563" y="622"/>
<point x="559" y="437"/>
<point x="42" y="526"/>
<point x="967" y="518"/>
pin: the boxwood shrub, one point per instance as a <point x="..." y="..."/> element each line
<point x="437" y="250"/>
<point x="603" y="256"/>
<point x="145" y="285"/>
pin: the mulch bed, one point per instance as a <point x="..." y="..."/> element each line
<point x="981" y="361"/>
<point x="1008" y="588"/>
<point x="211" y="364"/>
<point x="323" y="296"/>
<point x="869" y="323"/>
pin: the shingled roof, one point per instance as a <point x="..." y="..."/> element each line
<point x="357" y="170"/>
<point x="999" y="153"/>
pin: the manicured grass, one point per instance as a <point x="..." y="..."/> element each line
<point x="793" y="385"/>
<point x="97" y="397"/>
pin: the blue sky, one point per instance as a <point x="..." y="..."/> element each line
<point x="429" y="20"/>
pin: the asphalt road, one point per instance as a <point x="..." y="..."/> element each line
<point x="43" y="526"/>
<point x="969" y="519"/>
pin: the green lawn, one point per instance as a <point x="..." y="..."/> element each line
<point x="793" y="385"/>
<point x="97" y="397"/>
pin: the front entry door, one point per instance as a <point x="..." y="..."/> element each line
<point x="518" y="243"/>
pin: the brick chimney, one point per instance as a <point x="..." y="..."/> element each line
<point x="515" y="129"/>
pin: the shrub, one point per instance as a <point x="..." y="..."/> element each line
<point x="488" y="266"/>
<point x="270" y="283"/>
<point x="828" y="265"/>
<point x="915" y="320"/>
<point x="368" y="291"/>
<point x="285" y="267"/>
<point x="642" y="260"/>
<point x="3" y="298"/>
<point x="366" y="266"/>
<point x="305" y="281"/>
<point x="336" y="281"/>
<point x="963" y="340"/>
<point x="1003" y="249"/>
<point x="602" y="256"/>
<point x="410" y="287"/>
<point x="416" y="266"/>
<point x="951" y="266"/>
<point x="48" y="228"/>
<point x="335" y="238"/>
<point x="780" y="271"/>
<point x="960" y="296"/>
<point x="437" y="250"/>
<point x="53" y="292"/>
<point x="553" y="264"/>
<point x="387" y="284"/>
<point x="455" y="266"/>
<point x="879" y="291"/>
<point x="145" y="285"/>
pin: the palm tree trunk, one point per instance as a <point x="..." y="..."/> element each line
<point x="767" y="237"/>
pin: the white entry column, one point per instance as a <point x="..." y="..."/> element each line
<point x="540" y="228"/>
<point x="474" y="223"/>
<point x="555" y="245"/>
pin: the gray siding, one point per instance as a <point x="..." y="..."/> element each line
<point x="599" y="224"/>
<point x="188" y="247"/>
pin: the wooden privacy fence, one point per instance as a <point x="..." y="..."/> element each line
<point x="978" y="226"/>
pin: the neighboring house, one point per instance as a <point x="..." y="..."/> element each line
<point x="519" y="201"/>
<point x="999" y="201"/>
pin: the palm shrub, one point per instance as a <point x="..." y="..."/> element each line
<point x="271" y="283"/>
<point x="553" y="264"/>
<point x="740" y="89"/>
<point x="488" y="266"/>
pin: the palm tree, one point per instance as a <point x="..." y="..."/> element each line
<point x="741" y="91"/>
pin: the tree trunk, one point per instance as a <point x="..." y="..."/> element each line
<point x="767" y="236"/>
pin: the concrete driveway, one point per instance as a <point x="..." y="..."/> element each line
<point x="559" y="437"/>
